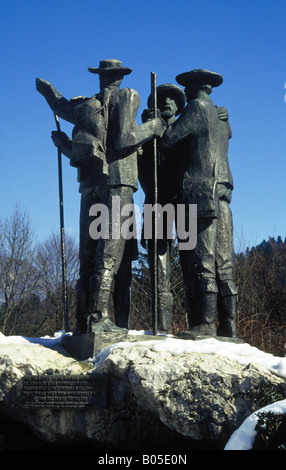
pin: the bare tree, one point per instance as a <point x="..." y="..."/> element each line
<point x="48" y="261"/>
<point x="259" y="273"/>
<point x="19" y="277"/>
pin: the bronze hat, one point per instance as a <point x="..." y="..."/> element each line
<point x="173" y="91"/>
<point x="110" y="66"/>
<point x="199" y="77"/>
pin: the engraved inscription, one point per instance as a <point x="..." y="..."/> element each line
<point x="59" y="391"/>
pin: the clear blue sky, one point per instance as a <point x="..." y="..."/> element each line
<point x="245" y="41"/>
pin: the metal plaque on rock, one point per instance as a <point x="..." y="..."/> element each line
<point x="61" y="391"/>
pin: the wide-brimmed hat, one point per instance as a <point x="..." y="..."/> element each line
<point x="172" y="91"/>
<point x="110" y="66"/>
<point x="199" y="77"/>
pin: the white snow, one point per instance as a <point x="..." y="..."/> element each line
<point x="243" y="437"/>
<point x="241" y="352"/>
<point x="44" y="341"/>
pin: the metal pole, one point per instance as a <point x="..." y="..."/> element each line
<point x="155" y="260"/>
<point x="63" y="253"/>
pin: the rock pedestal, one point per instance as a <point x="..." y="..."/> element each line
<point x="156" y="397"/>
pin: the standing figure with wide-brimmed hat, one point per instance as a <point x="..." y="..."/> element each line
<point x="104" y="149"/>
<point x="170" y="101"/>
<point x="197" y="130"/>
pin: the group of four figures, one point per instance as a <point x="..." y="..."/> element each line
<point x="111" y="152"/>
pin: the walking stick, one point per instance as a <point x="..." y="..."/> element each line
<point x="155" y="254"/>
<point x="63" y="254"/>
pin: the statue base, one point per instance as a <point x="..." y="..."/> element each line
<point x="105" y="333"/>
<point x="88" y="345"/>
<point x="196" y="337"/>
<point x="79" y="346"/>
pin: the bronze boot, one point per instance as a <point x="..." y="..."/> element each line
<point x="227" y="309"/>
<point x="208" y="302"/>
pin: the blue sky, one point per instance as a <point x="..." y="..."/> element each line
<point x="245" y="41"/>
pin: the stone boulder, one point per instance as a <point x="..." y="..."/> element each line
<point x="158" y="397"/>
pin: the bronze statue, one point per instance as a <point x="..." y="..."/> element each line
<point x="104" y="147"/>
<point x="87" y="247"/>
<point x="227" y="296"/>
<point x="197" y="130"/>
<point x="171" y="101"/>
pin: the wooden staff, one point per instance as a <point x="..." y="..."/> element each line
<point x="63" y="252"/>
<point x="155" y="245"/>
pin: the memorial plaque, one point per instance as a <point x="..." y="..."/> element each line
<point x="61" y="391"/>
